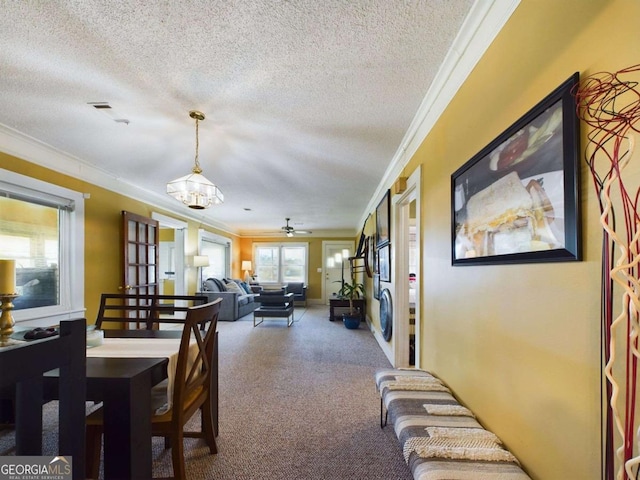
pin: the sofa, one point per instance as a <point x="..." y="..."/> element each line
<point x="238" y="299"/>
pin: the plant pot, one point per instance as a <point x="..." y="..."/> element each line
<point x="351" y="322"/>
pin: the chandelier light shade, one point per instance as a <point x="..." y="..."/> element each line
<point x="194" y="190"/>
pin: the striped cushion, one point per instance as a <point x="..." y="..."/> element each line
<point x="443" y="469"/>
<point x="389" y="374"/>
<point x="440" y="443"/>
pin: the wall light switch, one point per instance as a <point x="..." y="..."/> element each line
<point x="319" y="269"/>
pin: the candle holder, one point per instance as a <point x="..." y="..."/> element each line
<point x="6" y="319"/>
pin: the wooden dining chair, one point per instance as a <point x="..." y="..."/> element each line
<point x="144" y="311"/>
<point x="191" y="391"/>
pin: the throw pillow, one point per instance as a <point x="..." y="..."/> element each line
<point x="245" y="286"/>
<point x="233" y="287"/>
<point x="221" y="285"/>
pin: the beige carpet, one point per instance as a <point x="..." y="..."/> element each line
<point x="295" y="403"/>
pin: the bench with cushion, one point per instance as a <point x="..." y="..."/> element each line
<point x="440" y="438"/>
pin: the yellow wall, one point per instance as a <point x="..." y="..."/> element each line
<point x="314" y="283"/>
<point x="103" y="272"/>
<point x="102" y="233"/>
<point x="520" y="344"/>
<point x="167" y="234"/>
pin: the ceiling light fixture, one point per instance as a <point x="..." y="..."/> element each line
<point x="194" y="190"/>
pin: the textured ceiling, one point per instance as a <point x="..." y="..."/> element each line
<point x="307" y="102"/>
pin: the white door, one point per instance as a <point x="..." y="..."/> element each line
<point x="335" y="266"/>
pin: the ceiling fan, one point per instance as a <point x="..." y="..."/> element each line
<point x="290" y="231"/>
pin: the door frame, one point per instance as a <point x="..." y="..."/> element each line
<point x="401" y="325"/>
<point x="180" y="241"/>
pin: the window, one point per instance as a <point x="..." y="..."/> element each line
<point x="42" y="229"/>
<point x="281" y="262"/>
<point x="217" y="248"/>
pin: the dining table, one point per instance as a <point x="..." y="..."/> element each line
<point x="22" y="377"/>
<point x="124" y="385"/>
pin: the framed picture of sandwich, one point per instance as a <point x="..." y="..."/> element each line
<point x="516" y="201"/>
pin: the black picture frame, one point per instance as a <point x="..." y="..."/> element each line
<point x="384" y="263"/>
<point x="376" y="286"/>
<point x="517" y="200"/>
<point x="372" y="260"/>
<point x="383" y="223"/>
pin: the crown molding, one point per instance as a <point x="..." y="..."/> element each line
<point x="483" y="23"/>
<point x="32" y="150"/>
<point x="479" y="29"/>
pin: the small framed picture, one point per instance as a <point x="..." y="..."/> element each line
<point x="384" y="263"/>
<point x="376" y="286"/>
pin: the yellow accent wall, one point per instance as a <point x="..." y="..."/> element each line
<point x="520" y="344"/>
<point x="314" y="284"/>
<point x="167" y="234"/>
<point x="103" y="271"/>
<point x="102" y="233"/>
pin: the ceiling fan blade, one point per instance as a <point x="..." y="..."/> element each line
<point x="289" y="231"/>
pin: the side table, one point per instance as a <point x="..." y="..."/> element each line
<point x="340" y="304"/>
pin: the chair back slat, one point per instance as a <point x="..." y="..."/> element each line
<point x="144" y="310"/>
<point x="192" y="376"/>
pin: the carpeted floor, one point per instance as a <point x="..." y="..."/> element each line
<point x="295" y="403"/>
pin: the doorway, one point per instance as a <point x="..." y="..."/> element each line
<point x="335" y="267"/>
<point x="406" y="340"/>
<point x="171" y="265"/>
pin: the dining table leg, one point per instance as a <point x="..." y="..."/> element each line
<point x="29" y="416"/>
<point x="127" y="429"/>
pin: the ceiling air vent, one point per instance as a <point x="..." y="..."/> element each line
<point x="105" y="108"/>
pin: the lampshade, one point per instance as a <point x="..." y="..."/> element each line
<point x="246" y="265"/>
<point x="194" y="190"/>
<point x="200" y="261"/>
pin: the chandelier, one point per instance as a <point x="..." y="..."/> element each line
<point x="194" y="190"/>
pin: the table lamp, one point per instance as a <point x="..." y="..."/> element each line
<point x="246" y="266"/>
<point x="200" y="261"/>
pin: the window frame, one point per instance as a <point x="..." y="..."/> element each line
<point x="221" y="240"/>
<point x="280" y="246"/>
<point x="71" y="231"/>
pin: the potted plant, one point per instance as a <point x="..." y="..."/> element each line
<point x="350" y="291"/>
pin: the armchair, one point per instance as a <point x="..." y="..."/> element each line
<point x="299" y="291"/>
